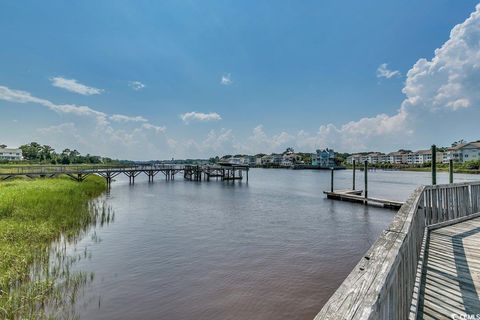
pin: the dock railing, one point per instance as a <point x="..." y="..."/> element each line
<point x="383" y="283"/>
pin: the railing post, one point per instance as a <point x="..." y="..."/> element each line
<point x="434" y="164"/>
<point x="365" y="171"/>
<point x="450" y="170"/>
<point x="331" y="180"/>
<point x="354" y="165"/>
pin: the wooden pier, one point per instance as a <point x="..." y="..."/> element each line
<point x="425" y="265"/>
<point x="79" y="173"/>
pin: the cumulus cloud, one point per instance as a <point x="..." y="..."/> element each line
<point x="124" y="118"/>
<point x="73" y="86"/>
<point x="384" y="72"/>
<point x="157" y="129"/>
<point x="450" y="81"/>
<point x="136" y="85"/>
<point x="199" y="116"/>
<point x="226" y="79"/>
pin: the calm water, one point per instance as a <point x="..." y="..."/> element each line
<point x="274" y="248"/>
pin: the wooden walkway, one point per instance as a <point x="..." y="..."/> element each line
<point x="451" y="271"/>
<point x="425" y="265"/>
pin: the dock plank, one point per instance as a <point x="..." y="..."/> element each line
<point x="451" y="275"/>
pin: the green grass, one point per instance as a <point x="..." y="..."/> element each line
<point x="34" y="214"/>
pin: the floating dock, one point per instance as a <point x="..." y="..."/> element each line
<point x="356" y="196"/>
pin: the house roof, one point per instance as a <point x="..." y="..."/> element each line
<point x="475" y="144"/>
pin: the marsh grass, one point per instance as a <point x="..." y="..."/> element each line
<point x="38" y="218"/>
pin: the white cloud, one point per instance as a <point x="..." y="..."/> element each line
<point x="451" y="80"/>
<point x="384" y="72"/>
<point x="19" y="96"/>
<point x="199" y="116"/>
<point x="136" y="85"/>
<point x="157" y="129"/>
<point x="110" y="141"/>
<point x="57" y="129"/>
<point x="226" y="79"/>
<point x="124" y="118"/>
<point x="74" y="86"/>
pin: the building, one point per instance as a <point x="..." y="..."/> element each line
<point x="250" y="160"/>
<point x="357" y="157"/>
<point x="425" y="156"/>
<point x="286" y="163"/>
<point x="395" y="157"/>
<point x="463" y="152"/>
<point x="374" y="157"/>
<point x="10" y="154"/>
<point x="324" y="158"/>
<point x="266" y="160"/>
<point x="277" y="159"/>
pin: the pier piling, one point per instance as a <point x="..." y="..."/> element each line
<point x="434" y="164"/>
<point x="450" y="171"/>
<point x="331" y="180"/>
<point x="365" y="171"/>
<point x="354" y="165"/>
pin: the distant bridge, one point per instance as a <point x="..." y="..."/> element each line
<point x="79" y="173"/>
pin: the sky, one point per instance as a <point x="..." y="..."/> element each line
<point x="147" y="80"/>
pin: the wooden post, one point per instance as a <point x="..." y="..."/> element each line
<point x="354" y="165"/>
<point x="365" y="171"/>
<point x="450" y="170"/>
<point x="434" y="164"/>
<point x="331" y="180"/>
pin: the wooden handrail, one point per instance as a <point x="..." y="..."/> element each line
<point x="381" y="285"/>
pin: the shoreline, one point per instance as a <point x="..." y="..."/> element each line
<point x="33" y="215"/>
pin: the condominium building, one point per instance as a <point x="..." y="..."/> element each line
<point x="10" y="154"/>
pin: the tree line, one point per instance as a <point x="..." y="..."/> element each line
<point x="37" y="153"/>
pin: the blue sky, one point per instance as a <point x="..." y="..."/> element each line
<point x="302" y="74"/>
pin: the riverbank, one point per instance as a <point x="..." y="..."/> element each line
<point x="33" y="214"/>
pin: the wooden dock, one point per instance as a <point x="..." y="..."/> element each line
<point x="425" y="265"/>
<point x="79" y="173"/>
<point x="450" y="281"/>
<point x="356" y="196"/>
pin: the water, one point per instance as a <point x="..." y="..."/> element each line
<point x="274" y="248"/>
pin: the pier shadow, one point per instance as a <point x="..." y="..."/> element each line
<point x="472" y="306"/>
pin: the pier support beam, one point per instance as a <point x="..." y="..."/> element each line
<point x="354" y="168"/>
<point x="434" y="164"/>
<point x="331" y="180"/>
<point x="365" y="171"/>
<point x="450" y="171"/>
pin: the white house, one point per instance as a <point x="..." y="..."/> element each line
<point x="10" y="154"/>
<point x="463" y="152"/>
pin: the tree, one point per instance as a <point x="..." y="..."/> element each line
<point x="3" y="146"/>
<point x="31" y="151"/>
<point x="46" y="152"/>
